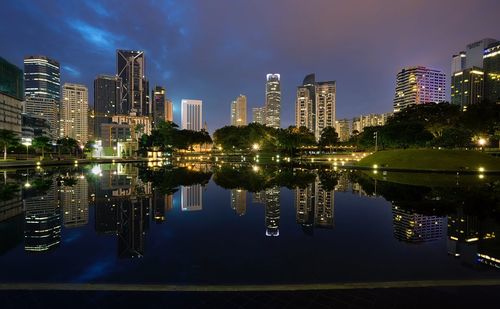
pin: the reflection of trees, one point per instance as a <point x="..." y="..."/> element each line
<point x="168" y="180"/>
<point x="8" y="191"/>
<point x="475" y="199"/>
<point x="265" y="177"/>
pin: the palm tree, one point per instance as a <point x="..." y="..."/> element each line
<point x="7" y="139"/>
<point x="41" y="142"/>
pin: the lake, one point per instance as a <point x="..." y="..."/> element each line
<point x="241" y="224"/>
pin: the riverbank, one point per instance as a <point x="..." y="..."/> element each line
<point x="33" y="163"/>
<point x="432" y="160"/>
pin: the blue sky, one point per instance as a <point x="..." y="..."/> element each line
<point x="214" y="50"/>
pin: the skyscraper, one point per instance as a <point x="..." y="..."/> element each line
<point x="418" y="85"/>
<point x="239" y="201"/>
<point x="107" y="100"/>
<point x="458" y="62"/>
<point x="192" y="198"/>
<point x="239" y="111"/>
<point x="11" y="95"/>
<point x="161" y="106"/>
<point x="135" y="87"/>
<point x="74" y="112"/>
<point x="273" y="101"/>
<point x="191" y="115"/>
<point x="259" y="115"/>
<point x="467" y="87"/>
<point x="474" y="53"/>
<point x="42" y="85"/>
<point x="492" y="73"/>
<point x="315" y="105"/>
<point x="75" y="202"/>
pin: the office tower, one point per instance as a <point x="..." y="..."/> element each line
<point x="418" y="85"/>
<point x="33" y="126"/>
<point x="416" y="228"/>
<point x="475" y="53"/>
<point x="192" y="198"/>
<point x="74" y="201"/>
<point x="42" y="87"/>
<point x="135" y="87"/>
<point x="74" y="112"/>
<point x="191" y="114"/>
<point x="239" y="111"/>
<point x="343" y="129"/>
<point x="458" y="62"/>
<point x="162" y="107"/>
<point x="304" y="207"/>
<point x="315" y="105"/>
<point x="259" y="115"/>
<point x="131" y="227"/>
<point x="169" y="116"/>
<point x="239" y="201"/>
<point x="273" y="101"/>
<point x="467" y="87"/>
<point x="107" y="101"/>
<point x="492" y="73"/>
<point x="42" y="228"/>
<point x="11" y="96"/>
<point x="272" y="211"/>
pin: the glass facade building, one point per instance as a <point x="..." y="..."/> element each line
<point x="492" y="72"/>
<point x="11" y="95"/>
<point x="130" y="66"/>
<point x="107" y="99"/>
<point x="273" y="100"/>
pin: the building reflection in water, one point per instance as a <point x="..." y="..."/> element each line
<point x="162" y="203"/>
<point x="42" y="227"/>
<point x="74" y="201"/>
<point x="11" y="216"/>
<point x="416" y="228"/>
<point x="314" y="207"/>
<point x="473" y="241"/>
<point x="239" y="201"/>
<point x="272" y="210"/>
<point x="192" y="198"/>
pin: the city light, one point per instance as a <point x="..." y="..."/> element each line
<point x="255" y="146"/>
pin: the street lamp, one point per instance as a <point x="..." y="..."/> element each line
<point x="481" y="142"/>
<point x="26" y="142"/>
<point x="255" y="146"/>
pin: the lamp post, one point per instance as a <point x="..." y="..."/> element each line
<point x="482" y="143"/>
<point x="26" y="142"/>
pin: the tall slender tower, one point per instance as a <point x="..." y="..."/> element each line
<point x="130" y="66"/>
<point x="192" y="115"/>
<point x="273" y="100"/>
<point x="74" y="112"/>
<point x="239" y="111"/>
<point x="107" y="100"/>
<point x="42" y="88"/>
<point x="315" y="105"/>
<point x="159" y="105"/>
<point x="492" y="73"/>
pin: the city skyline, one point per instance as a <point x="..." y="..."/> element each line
<point x="173" y="63"/>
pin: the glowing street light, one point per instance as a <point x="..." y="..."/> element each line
<point x="26" y="142"/>
<point x="255" y="146"/>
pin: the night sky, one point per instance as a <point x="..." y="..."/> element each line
<point x="214" y="50"/>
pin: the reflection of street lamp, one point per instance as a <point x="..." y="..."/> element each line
<point x="26" y="142"/>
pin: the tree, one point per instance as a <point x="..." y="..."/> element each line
<point x="7" y="139"/>
<point x="67" y="144"/>
<point x="89" y="147"/>
<point x="328" y="137"/>
<point x="41" y="142"/>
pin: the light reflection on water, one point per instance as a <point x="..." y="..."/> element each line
<point x="241" y="224"/>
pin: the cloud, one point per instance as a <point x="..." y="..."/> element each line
<point x="71" y="71"/>
<point x="100" y="38"/>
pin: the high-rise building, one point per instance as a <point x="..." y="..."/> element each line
<point x="74" y="112"/>
<point x="191" y="115"/>
<point x="74" y="201"/>
<point x="416" y="228"/>
<point x="369" y="120"/>
<point x="192" y="198"/>
<point x="343" y="129"/>
<point x="259" y="115"/>
<point x="474" y="53"/>
<point x="273" y="101"/>
<point x="42" y="86"/>
<point x="162" y="107"/>
<point x="418" y="85"/>
<point x="11" y="95"/>
<point x="107" y="101"/>
<point x="139" y="125"/>
<point x="130" y="66"/>
<point x="458" y="62"/>
<point x="239" y="111"/>
<point x="467" y="87"/>
<point x="492" y="73"/>
<point x="42" y="228"/>
<point x="315" y="105"/>
<point x="239" y="201"/>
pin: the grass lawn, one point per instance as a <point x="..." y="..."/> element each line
<point x="432" y="159"/>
